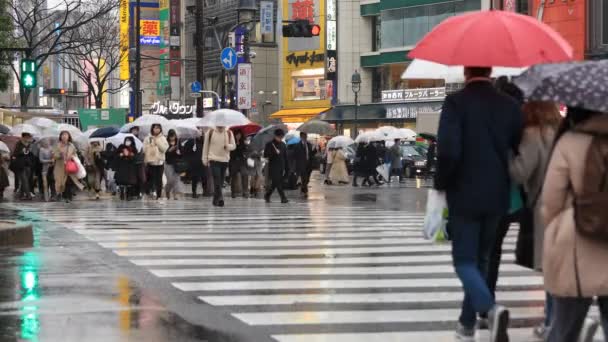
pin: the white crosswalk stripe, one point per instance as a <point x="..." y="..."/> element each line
<point x="304" y="272"/>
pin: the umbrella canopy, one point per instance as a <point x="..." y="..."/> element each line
<point x="249" y="129"/>
<point x="402" y="134"/>
<point x="421" y="69"/>
<point x="73" y="130"/>
<point x="264" y="136"/>
<point x="4" y="148"/>
<point x="581" y="84"/>
<point x="42" y="123"/>
<point x="340" y="141"/>
<point x="119" y="139"/>
<point x="4" y="129"/>
<point x="367" y="137"/>
<point x="105" y="132"/>
<point x="10" y="141"/>
<point x="493" y="38"/>
<point x="145" y="122"/>
<point x="184" y="132"/>
<point x="89" y="131"/>
<point x="386" y="130"/>
<point x="224" y="118"/>
<point x="317" y="127"/>
<point x="17" y="130"/>
<point x="292" y="134"/>
<point x="293" y="141"/>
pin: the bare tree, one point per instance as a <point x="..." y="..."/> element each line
<point x="98" y="56"/>
<point x="51" y="30"/>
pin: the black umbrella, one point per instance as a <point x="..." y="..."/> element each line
<point x="265" y="135"/>
<point x="4" y="129"/>
<point x="105" y="132"/>
<point x="577" y="84"/>
<point x="428" y="136"/>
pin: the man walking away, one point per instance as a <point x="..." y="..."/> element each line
<point x="303" y="155"/>
<point x="276" y="153"/>
<point x="478" y="129"/>
<point x="394" y="157"/>
<point x="216" y="153"/>
<point x="22" y="165"/>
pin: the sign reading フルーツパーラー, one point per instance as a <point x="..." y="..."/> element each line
<point x="102" y="117"/>
<point x="244" y="86"/>
<point x="413" y="95"/>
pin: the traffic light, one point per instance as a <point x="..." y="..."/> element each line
<point x="28" y="73"/>
<point x="54" y="91"/>
<point x="301" y="28"/>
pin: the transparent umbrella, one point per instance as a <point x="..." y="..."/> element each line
<point x="224" y="118"/>
<point x="340" y="142"/>
<point x="145" y="122"/>
<point x="4" y="148"/>
<point x="41" y="123"/>
<point x="264" y="136"/>
<point x="317" y="127"/>
<point x="18" y="130"/>
<point x="73" y="130"/>
<point x="367" y="137"/>
<point x="119" y="139"/>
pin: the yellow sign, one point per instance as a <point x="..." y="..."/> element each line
<point x="150" y="28"/>
<point x="124" y="40"/>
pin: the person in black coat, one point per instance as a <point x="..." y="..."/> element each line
<point x="359" y="165"/>
<point x="239" y="177"/>
<point x="478" y="129"/>
<point x="193" y="154"/>
<point x="276" y="153"/>
<point x="22" y="164"/>
<point x="125" y="167"/>
<point x="304" y="155"/>
<point x="370" y="163"/>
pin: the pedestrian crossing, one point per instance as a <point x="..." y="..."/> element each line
<point x="305" y="271"/>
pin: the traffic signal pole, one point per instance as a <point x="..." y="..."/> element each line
<point x="137" y="82"/>
<point x="200" y="62"/>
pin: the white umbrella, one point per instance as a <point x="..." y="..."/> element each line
<point x="421" y="69"/>
<point x="41" y="123"/>
<point x="402" y="134"/>
<point x="73" y="130"/>
<point x="340" y="141"/>
<point x="224" y="118"/>
<point x="386" y="130"/>
<point x="119" y="139"/>
<point x="367" y="137"/>
<point x="4" y="148"/>
<point x="186" y="129"/>
<point x="18" y="130"/>
<point x="145" y="122"/>
<point x="196" y="122"/>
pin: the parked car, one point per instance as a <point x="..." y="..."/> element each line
<point x="414" y="163"/>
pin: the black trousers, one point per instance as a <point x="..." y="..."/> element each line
<point x="25" y="178"/>
<point x="155" y="180"/>
<point x="276" y="183"/>
<point x="305" y="179"/>
<point x="218" y="170"/>
<point x="198" y="175"/>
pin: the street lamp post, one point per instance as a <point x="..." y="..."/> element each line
<point x="356" y="86"/>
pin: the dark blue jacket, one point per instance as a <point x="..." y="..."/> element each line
<point x="478" y="129"/>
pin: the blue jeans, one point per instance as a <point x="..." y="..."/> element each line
<point x="569" y="316"/>
<point x="473" y="239"/>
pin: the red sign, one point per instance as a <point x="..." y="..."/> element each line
<point x="509" y="5"/>
<point x="174" y="66"/>
<point x="303" y="10"/>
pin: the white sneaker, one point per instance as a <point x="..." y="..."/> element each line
<point x="588" y="331"/>
<point x="464" y="334"/>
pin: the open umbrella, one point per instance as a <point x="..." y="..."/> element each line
<point x="340" y="141"/>
<point x="293" y="141"/>
<point x="421" y="69"/>
<point x="386" y="130"/>
<point x="10" y="141"/>
<point x="89" y="131"/>
<point x="4" y="129"/>
<point x="73" y="130"/>
<point x="493" y="38"/>
<point x="18" y="130"/>
<point x="42" y="123"/>
<point x="402" y="134"/>
<point x="224" y="118"/>
<point x="249" y="129"/>
<point x="145" y="122"/>
<point x="367" y="137"/>
<point x="580" y="84"/>
<point x="105" y="132"/>
<point x="4" y="148"/>
<point x="317" y="127"/>
<point x="119" y="139"/>
<point x="264" y="136"/>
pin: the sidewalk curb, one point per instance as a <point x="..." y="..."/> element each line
<point x="14" y="233"/>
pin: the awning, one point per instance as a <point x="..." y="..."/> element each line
<point x="380" y="111"/>
<point x="298" y="115"/>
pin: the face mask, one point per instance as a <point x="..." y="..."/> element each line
<point x="127" y="143"/>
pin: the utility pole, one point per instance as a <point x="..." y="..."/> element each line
<point x="200" y="62"/>
<point x="137" y="88"/>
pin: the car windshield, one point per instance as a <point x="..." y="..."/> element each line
<point x="409" y="150"/>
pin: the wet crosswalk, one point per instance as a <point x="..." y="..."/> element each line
<point x="303" y="272"/>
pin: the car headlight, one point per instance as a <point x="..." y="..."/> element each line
<point x="420" y="163"/>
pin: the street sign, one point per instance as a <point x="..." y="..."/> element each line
<point x="196" y="87"/>
<point x="244" y="82"/>
<point x="228" y="58"/>
<point x="195" y="94"/>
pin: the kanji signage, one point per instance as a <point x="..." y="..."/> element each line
<point x="267" y="17"/>
<point x="149" y="28"/>
<point x="244" y="86"/>
<point x="307" y="57"/>
<point x="413" y="95"/>
<point x="303" y="10"/>
<point x="410" y="111"/>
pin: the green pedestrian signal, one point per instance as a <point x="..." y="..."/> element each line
<point x="28" y="73"/>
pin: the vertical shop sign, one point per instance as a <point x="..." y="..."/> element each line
<point x="175" y="69"/>
<point x="163" y="80"/>
<point x="244" y="86"/>
<point x="124" y="40"/>
<point x="267" y="17"/>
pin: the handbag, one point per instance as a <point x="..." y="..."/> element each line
<point x="71" y="168"/>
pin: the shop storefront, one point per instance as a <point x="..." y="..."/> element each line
<point x="307" y="91"/>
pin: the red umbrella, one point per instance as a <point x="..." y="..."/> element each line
<point x="248" y="129"/>
<point x="492" y="38"/>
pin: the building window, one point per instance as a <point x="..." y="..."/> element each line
<point x="308" y="84"/>
<point x="376" y="33"/>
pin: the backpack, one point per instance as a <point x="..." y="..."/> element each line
<point x="590" y="214"/>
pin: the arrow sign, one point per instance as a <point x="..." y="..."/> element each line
<point x="196" y="86"/>
<point x="228" y="58"/>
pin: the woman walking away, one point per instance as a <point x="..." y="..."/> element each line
<point x="125" y="167"/>
<point x="339" y="171"/>
<point x="45" y="155"/>
<point x="4" y="160"/>
<point x="528" y="169"/>
<point x="574" y="202"/>
<point x="173" y="157"/>
<point x="193" y="154"/>
<point x="64" y="153"/>
<point x="155" y="147"/>
<point x="216" y="153"/>
<point x="94" y="166"/>
<point x="239" y="178"/>
<point x="22" y="165"/>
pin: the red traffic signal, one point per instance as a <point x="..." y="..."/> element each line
<point x="301" y="28"/>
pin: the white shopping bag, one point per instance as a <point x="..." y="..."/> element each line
<point x="384" y="170"/>
<point x="435" y="220"/>
<point x="82" y="172"/>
